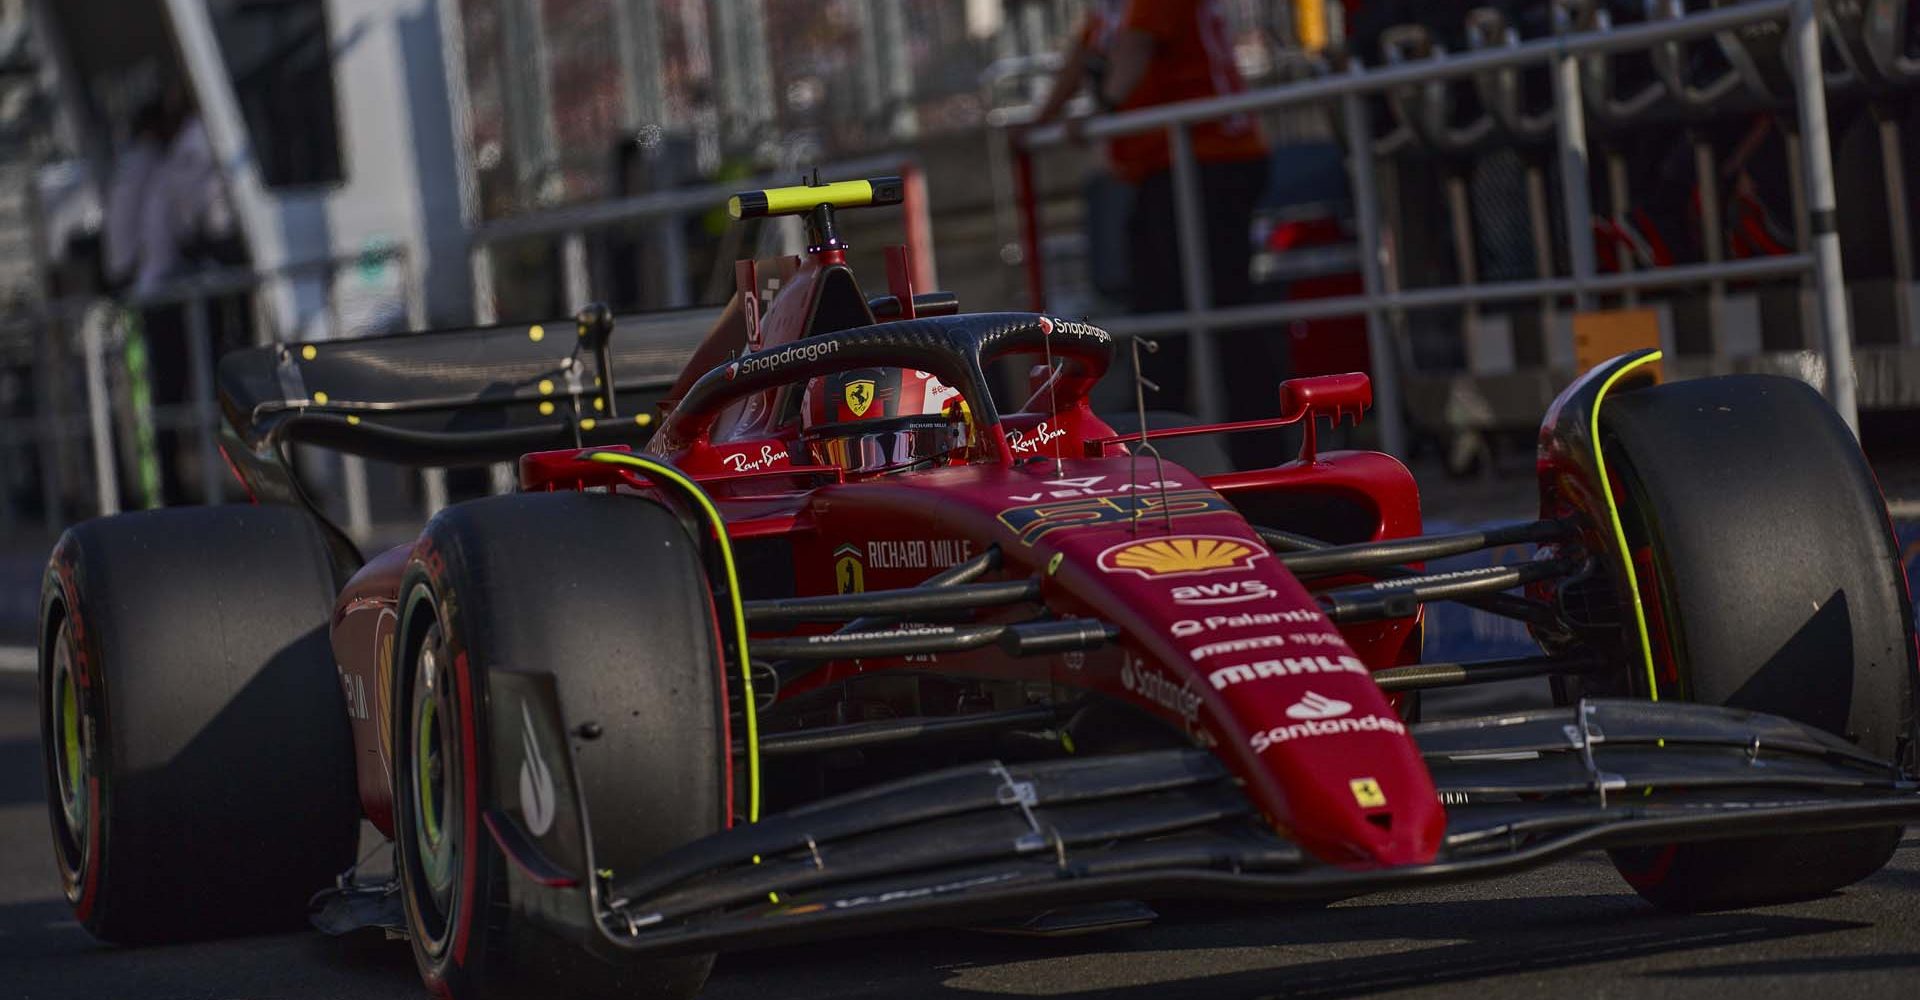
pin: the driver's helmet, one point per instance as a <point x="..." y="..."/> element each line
<point x="881" y="420"/>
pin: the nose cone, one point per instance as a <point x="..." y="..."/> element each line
<point x="1354" y="788"/>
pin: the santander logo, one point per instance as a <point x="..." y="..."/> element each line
<point x="1318" y="706"/>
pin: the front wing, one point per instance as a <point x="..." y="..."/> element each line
<point x="992" y="840"/>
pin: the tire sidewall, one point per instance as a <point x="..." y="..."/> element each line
<point x="61" y="605"/>
<point x="455" y="971"/>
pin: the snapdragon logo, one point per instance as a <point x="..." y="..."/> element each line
<point x="803" y="351"/>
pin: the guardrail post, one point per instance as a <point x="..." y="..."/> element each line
<point x="1387" y="410"/>
<point x="1027" y="198"/>
<point x="206" y="418"/>
<point x="433" y="481"/>
<point x="1190" y="226"/>
<point x="1828" y="280"/>
<point x="1571" y="132"/>
<point x="1894" y="174"/>
<point x="573" y="261"/>
<point x="1706" y="179"/>
<point x="486" y="311"/>
<point x="106" y="480"/>
<point x="47" y="423"/>
<point x="917" y="215"/>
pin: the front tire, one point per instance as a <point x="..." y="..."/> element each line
<point x="606" y="595"/>
<point x="198" y="762"/>
<point x="1771" y="582"/>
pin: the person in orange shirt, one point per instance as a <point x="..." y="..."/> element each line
<point x="1139" y="53"/>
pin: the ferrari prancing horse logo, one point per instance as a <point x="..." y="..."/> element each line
<point x="849" y="573"/>
<point x="1367" y="793"/>
<point x="860" y="396"/>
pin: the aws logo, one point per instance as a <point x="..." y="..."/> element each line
<point x="1185" y="555"/>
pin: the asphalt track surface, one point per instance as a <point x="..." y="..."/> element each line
<point x="1569" y="930"/>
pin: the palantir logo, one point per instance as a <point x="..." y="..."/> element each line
<point x="536" y="781"/>
<point x="1318" y="706"/>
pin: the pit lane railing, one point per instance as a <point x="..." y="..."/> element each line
<point x="571" y="225"/>
<point x="1564" y="55"/>
<point x="83" y="328"/>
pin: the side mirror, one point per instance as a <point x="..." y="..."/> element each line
<point x="1331" y="396"/>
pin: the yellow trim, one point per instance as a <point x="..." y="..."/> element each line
<point x="1613" y="515"/>
<point x="802" y="197"/>
<point x="671" y="474"/>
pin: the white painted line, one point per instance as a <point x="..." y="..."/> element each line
<point x="18" y="660"/>
<point x="1904" y="510"/>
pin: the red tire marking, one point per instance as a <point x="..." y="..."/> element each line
<point x="726" y="717"/>
<point x="90" y="885"/>
<point x="1656" y="873"/>
<point x="469" y="841"/>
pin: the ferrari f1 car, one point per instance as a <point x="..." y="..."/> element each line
<point x="841" y="636"/>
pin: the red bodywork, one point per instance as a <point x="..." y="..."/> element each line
<point x="1217" y="638"/>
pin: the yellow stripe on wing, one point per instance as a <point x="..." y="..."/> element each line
<point x="667" y="472"/>
<point x="1613" y="515"/>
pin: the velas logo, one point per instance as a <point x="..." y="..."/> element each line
<point x="859" y="395"/>
<point x="1184" y="555"/>
<point x="1318" y="706"/>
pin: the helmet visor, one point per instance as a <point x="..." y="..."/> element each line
<point x="886" y="445"/>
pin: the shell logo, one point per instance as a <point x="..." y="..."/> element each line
<point x="1183" y="555"/>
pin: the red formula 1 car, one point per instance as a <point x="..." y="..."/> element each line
<point x="854" y="642"/>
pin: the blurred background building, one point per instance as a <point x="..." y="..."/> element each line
<point x="369" y="166"/>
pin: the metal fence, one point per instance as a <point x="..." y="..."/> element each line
<point x="1563" y="55"/>
<point x="74" y="366"/>
<point x="78" y="448"/>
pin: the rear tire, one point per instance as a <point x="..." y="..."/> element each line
<point x="607" y="595"/>
<point x="198" y="762"/>
<point x="1772" y="583"/>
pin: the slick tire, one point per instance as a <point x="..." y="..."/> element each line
<point x="606" y="596"/>
<point x="1772" y="583"/>
<point x="198" y="764"/>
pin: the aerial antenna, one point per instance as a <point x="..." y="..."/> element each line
<point x="1141" y="383"/>
<point x="1053" y="394"/>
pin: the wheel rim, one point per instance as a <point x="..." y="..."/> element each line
<point x="434" y="794"/>
<point x="71" y="768"/>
